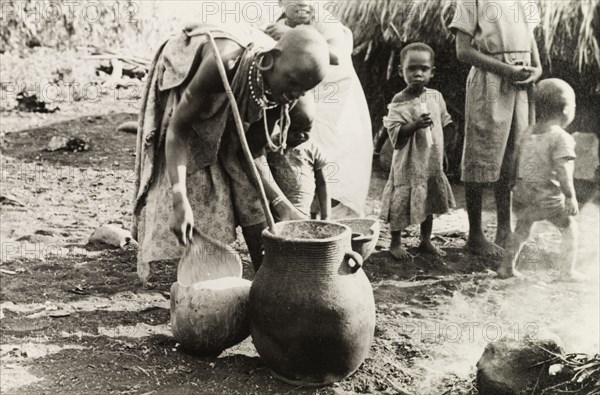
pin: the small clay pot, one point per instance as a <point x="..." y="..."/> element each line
<point x="210" y="316"/>
<point x="312" y="311"/>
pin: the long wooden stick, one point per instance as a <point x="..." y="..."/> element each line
<point x="242" y="135"/>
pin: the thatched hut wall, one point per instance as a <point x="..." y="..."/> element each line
<point x="568" y="36"/>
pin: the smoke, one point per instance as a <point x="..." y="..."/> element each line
<point x="486" y="309"/>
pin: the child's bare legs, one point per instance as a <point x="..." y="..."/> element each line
<point x="395" y="247"/>
<point x="426" y="246"/>
<point x="568" y="253"/>
<point x="513" y="248"/>
<point x="477" y="242"/>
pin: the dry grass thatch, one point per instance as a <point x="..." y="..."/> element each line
<point x="568" y="29"/>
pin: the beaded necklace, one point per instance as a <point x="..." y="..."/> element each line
<point x="262" y="101"/>
<point x="255" y="76"/>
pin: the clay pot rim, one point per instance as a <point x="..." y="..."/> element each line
<point x="346" y="233"/>
<point x="374" y="229"/>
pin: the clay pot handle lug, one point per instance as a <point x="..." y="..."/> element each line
<point x="357" y="258"/>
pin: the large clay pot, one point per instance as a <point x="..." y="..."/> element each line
<point x="312" y="312"/>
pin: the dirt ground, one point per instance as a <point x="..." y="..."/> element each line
<point x="76" y="320"/>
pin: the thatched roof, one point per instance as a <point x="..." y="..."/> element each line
<point x="569" y="29"/>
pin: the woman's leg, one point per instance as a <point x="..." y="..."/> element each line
<point x="477" y="243"/>
<point x="252" y="236"/>
<point x="502" y="193"/>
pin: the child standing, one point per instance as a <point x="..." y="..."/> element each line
<point x="416" y="122"/>
<point x="496" y="38"/>
<point x="544" y="188"/>
<point x="299" y="169"/>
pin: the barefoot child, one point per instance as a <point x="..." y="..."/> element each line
<point x="298" y="170"/>
<point x="544" y="188"/>
<point x="496" y="38"/>
<point x="416" y="122"/>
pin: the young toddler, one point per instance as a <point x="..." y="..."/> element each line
<point x="544" y="189"/>
<point x="299" y="169"/>
<point x="417" y="120"/>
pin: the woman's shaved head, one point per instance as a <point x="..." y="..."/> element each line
<point x="305" y="43"/>
<point x="298" y="63"/>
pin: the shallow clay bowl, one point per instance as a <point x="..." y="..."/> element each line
<point x="365" y="233"/>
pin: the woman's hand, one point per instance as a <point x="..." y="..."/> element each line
<point x="276" y="30"/>
<point x="571" y="206"/>
<point x="183" y="219"/>
<point x="534" y="74"/>
<point x="518" y="73"/>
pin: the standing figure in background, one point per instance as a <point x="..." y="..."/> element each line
<point x="496" y="38"/>
<point x="342" y="126"/>
<point x="417" y="121"/>
<point x="544" y="188"/>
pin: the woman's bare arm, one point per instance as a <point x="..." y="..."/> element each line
<point x="536" y="65"/>
<point x="466" y="53"/>
<point x="334" y="34"/>
<point x="195" y="98"/>
<point x="283" y="207"/>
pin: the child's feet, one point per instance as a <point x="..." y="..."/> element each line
<point x="506" y="272"/>
<point x="427" y="247"/>
<point x="572" y="276"/>
<point x="400" y="253"/>
<point x="479" y="245"/>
